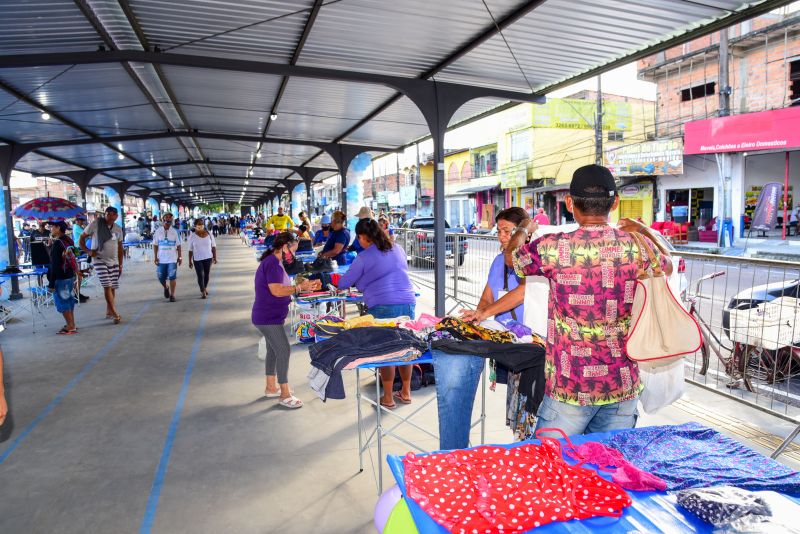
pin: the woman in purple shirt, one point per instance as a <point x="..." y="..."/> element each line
<point x="381" y="273"/>
<point x="270" y="308"/>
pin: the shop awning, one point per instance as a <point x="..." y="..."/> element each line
<point x="478" y="189"/>
<point x="551" y="188"/>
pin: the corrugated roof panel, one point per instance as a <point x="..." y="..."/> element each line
<point x="23" y="123"/>
<point x="38" y="163"/>
<point x="404" y="38"/>
<point x="327" y="108"/>
<point x="231" y="102"/>
<point x="562" y="38"/>
<point x="323" y="161"/>
<point x="269" y="29"/>
<point x="41" y="26"/>
<point x="475" y="107"/>
<point x="400" y="123"/>
<point x="102" y="179"/>
<point x="101" y="98"/>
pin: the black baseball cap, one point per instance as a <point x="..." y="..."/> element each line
<point x="592" y="181"/>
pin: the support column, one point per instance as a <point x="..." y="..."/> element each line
<point x="9" y="156"/>
<point x="343" y="157"/>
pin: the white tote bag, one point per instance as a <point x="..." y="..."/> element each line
<point x="537" y="295"/>
<point x="663" y="384"/>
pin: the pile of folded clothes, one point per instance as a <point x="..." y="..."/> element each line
<point x="353" y="347"/>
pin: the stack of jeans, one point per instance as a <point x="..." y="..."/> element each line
<point x="330" y="357"/>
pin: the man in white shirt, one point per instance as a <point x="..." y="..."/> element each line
<point x="167" y="252"/>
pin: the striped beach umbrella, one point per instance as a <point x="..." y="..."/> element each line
<point x="48" y="209"/>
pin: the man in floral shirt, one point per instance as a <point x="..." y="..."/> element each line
<point x="591" y="385"/>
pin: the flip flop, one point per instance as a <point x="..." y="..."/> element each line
<point x="401" y="399"/>
<point x="291" y="402"/>
<point x="117" y="319"/>
<point x="65" y="332"/>
<point x="391" y="406"/>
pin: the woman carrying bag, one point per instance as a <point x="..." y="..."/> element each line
<point x="61" y="276"/>
<point x="270" y="308"/>
<point x="202" y="253"/>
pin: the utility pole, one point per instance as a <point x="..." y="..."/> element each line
<point x="724" y="159"/>
<point x="598" y="126"/>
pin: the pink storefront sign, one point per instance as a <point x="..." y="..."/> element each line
<point x="766" y="130"/>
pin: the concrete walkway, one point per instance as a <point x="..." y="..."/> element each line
<point x="159" y="424"/>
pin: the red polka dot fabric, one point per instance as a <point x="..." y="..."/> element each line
<point x="496" y="489"/>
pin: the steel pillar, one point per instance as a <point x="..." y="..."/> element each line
<point x="10" y="154"/>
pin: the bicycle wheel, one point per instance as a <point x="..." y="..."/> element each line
<point x="705" y="361"/>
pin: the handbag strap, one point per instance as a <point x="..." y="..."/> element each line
<point x="651" y="260"/>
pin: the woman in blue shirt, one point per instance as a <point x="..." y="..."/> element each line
<point x="457" y="375"/>
<point x="381" y="273"/>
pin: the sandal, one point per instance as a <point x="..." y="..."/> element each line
<point x="391" y="406"/>
<point x="275" y="395"/>
<point x="65" y="332"/>
<point x="401" y="399"/>
<point x="117" y="319"/>
<point x="291" y="402"/>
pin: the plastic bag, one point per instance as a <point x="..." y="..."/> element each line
<point x="663" y="384"/>
<point x="722" y="505"/>
<point x="262" y="349"/>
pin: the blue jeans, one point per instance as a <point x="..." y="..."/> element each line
<point x="166" y="271"/>
<point x="390" y="311"/>
<point x="574" y="419"/>
<point x="457" y="377"/>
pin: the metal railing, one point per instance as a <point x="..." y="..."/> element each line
<point x="469" y="257"/>
<point x="748" y="313"/>
<point x="747" y="310"/>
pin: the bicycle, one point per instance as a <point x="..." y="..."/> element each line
<point x="742" y="362"/>
<point x="709" y="340"/>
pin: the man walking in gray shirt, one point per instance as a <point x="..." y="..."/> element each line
<point x="106" y="249"/>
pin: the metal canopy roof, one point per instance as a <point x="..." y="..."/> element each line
<point x="146" y="94"/>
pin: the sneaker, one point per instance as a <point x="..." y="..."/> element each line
<point x="166" y="293"/>
<point x="172" y="299"/>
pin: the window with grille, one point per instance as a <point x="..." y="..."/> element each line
<point x="794" y="83"/>
<point x="616" y="136"/>
<point x="698" y="91"/>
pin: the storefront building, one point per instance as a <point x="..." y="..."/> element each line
<point x="750" y="150"/>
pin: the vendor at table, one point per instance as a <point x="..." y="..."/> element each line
<point x="380" y="272"/>
<point x="336" y="246"/>
<point x="321" y="236"/>
<point x="457" y="375"/>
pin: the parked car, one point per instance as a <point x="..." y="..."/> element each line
<point x="752" y="297"/>
<point x="419" y="244"/>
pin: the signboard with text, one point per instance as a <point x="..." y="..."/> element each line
<point x="653" y="158"/>
<point x="578" y="114"/>
<point x="765" y="130"/>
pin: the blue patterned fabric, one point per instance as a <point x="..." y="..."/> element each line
<point x="695" y="456"/>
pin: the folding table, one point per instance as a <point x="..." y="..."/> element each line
<point x="18" y="306"/>
<point x="367" y="437"/>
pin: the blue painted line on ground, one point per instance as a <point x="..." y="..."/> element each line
<point x="72" y="383"/>
<point x="163" y="464"/>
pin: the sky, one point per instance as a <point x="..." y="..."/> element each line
<point x="620" y="81"/>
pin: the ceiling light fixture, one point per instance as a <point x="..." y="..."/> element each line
<point x="258" y="154"/>
<point x="273" y="117"/>
<point x="121" y="156"/>
<point x="45" y="116"/>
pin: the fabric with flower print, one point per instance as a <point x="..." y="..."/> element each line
<point x="592" y="274"/>
<point x="494" y="489"/>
